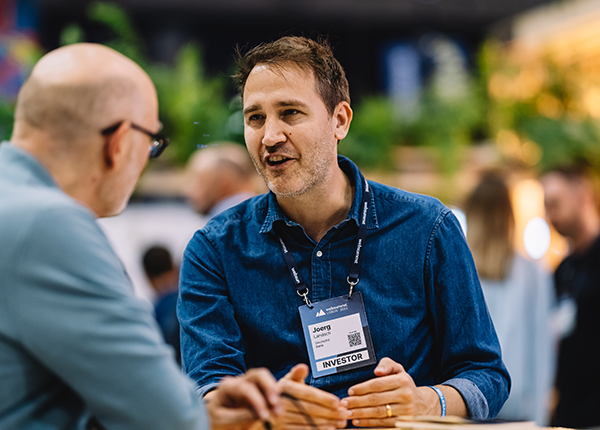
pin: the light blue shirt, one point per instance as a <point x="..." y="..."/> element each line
<point x="74" y="341"/>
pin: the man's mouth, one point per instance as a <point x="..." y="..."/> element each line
<point x="276" y="160"/>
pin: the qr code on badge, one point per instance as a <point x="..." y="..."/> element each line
<point x="354" y="339"/>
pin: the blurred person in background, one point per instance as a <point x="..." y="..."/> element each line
<point x="571" y="200"/>
<point x="163" y="276"/>
<point x="220" y="176"/>
<point x="77" y="349"/>
<point x="519" y="295"/>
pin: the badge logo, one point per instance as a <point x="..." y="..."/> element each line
<point x="320" y="313"/>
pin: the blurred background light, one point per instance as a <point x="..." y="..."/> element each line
<point x="462" y="218"/>
<point x="533" y="235"/>
<point x="536" y="238"/>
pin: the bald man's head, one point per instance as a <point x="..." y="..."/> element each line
<point x="71" y="112"/>
<point x="74" y="93"/>
<point x="77" y="90"/>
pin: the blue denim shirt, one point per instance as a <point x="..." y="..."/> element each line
<point x="238" y="306"/>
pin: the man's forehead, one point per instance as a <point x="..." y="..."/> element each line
<point x="289" y="73"/>
<point x="557" y="179"/>
<point x="282" y="68"/>
<point x="558" y="187"/>
<point x="260" y="67"/>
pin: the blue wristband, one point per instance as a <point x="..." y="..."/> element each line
<point x="442" y="399"/>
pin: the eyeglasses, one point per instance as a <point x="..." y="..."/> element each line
<point x="159" y="141"/>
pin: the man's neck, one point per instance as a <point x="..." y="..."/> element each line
<point x="323" y="207"/>
<point x="66" y="172"/>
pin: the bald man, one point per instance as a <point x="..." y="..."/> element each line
<point x="219" y="177"/>
<point x="77" y="349"/>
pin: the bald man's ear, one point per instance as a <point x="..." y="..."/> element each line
<point x="113" y="144"/>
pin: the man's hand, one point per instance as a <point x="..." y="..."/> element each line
<point x="395" y="388"/>
<point x="324" y="408"/>
<point x="239" y="402"/>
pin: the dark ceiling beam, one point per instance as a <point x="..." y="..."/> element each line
<point x="454" y="13"/>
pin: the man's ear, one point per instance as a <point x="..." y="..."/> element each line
<point x="114" y="144"/>
<point x="342" y="116"/>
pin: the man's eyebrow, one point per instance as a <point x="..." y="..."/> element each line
<point x="251" y="108"/>
<point x="286" y="103"/>
<point x="283" y="103"/>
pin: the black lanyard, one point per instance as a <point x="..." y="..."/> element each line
<point x="301" y="288"/>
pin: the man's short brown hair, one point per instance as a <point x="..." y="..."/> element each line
<point x="305" y="53"/>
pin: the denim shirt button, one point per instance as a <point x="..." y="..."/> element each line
<point x="319" y="253"/>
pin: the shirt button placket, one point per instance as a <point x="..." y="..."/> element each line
<point x="320" y="278"/>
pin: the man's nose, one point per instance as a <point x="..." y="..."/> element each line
<point x="274" y="132"/>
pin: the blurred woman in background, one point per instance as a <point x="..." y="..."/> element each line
<point x="519" y="295"/>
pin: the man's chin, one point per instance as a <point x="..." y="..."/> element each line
<point x="286" y="192"/>
<point x="114" y="210"/>
<point x="113" y="213"/>
<point x="284" y="185"/>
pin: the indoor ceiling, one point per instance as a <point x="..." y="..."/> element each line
<point x="450" y="14"/>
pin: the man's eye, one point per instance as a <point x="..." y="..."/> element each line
<point x="290" y="112"/>
<point x="255" y="117"/>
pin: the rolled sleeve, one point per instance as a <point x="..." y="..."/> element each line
<point x="476" y="402"/>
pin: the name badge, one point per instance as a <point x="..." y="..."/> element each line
<point x="337" y="335"/>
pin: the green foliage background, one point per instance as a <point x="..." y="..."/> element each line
<point x="569" y="135"/>
<point x="192" y="105"/>
<point x="196" y="110"/>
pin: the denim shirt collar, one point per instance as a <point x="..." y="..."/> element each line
<point x="275" y="213"/>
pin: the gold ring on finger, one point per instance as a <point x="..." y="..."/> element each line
<point x="389" y="410"/>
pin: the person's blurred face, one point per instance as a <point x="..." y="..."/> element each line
<point x="290" y="135"/>
<point x="202" y="189"/>
<point x="562" y="200"/>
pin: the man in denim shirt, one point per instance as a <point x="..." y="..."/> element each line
<point x="437" y="349"/>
